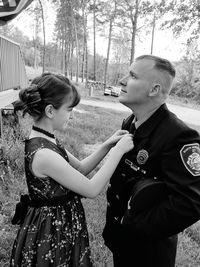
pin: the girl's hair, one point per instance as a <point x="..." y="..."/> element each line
<point x="46" y="89"/>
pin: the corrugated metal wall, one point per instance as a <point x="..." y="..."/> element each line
<point x="12" y="67"/>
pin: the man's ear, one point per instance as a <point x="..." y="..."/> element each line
<point x="49" y="111"/>
<point x="155" y="90"/>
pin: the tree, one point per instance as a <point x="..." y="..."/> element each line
<point x="153" y="30"/>
<point x="94" y="29"/>
<point x="185" y="16"/>
<point x="27" y="46"/>
<point x="107" y="13"/>
<point x="6" y="29"/>
<point x="85" y="48"/>
<point x="69" y="32"/>
<point x="63" y="32"/>
<point x="132" y="15"/>
<point x="44" y="38"/>
<point x="72" y="10"/>
<point x="35" y="12"/>
<point x="96" y="8"/>
<point x="129" y="12"/>
<point x="111" y="18"/>
<point x="93" y="7"/>
<point x="188" y="72"/>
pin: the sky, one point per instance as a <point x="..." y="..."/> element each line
<point x="165" y="45"/>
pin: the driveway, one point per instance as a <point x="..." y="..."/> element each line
<point x="191" y="116"/>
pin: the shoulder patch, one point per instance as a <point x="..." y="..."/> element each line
<point x="190" y="155"/>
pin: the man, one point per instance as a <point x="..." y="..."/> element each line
<point x="164" y="148"/>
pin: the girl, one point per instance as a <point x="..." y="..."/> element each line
<point x="52" y="222"/>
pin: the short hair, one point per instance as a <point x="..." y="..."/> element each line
<point x="161" y="64"/>
<point x="46" y="89"/>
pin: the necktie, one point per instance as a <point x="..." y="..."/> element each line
<point x="132" y="128"/>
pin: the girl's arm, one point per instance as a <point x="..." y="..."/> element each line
<point x="49" y="163"/>
<point x="86" y="165"/>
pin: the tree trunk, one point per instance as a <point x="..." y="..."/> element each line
<point x="94" y="28"/>
<point x="86" y="64"/>
<point x="83" y="64"/>
<point x="108" y="51"/>
<point x="72" y="52"/>
<point x="77" y="42"/>
<point x="66" y="43"/>
<point x="69" y="57"/>
<point x="134" y="29"/>
<point x="66" y="63"/>
<point x="153" y="29"/>
<point x="55" y="56"/>
<point x="35" y="55"/>
<point x="62" y="55"/>
<point x="86" y="55"/>
<point x="35" y="44"/>
<point x="84" y="41"/>
<point x="44" y="38"/>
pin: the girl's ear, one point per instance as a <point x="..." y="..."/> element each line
<point x="155" y="90"/>
<point x="49" y="111"/>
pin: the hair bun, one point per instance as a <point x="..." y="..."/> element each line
<point x="30" y="95"/>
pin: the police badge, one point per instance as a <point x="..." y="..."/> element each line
<point x="190" y="155"/>
<point x="142" y="156"/>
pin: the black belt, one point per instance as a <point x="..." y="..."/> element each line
<point x="25" y="202"/>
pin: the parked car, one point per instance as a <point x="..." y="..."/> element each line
<point x="112" y="90"/>
<point x="115" y="91"/>
<point x="107" y="90"/>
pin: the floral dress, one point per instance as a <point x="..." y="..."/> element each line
<point x="50" y="235"/>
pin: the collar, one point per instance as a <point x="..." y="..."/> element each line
<point x="140" y="122"/>
<point x="146" y="128"/>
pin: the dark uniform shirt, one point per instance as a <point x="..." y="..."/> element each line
<point x="167" y="149"/>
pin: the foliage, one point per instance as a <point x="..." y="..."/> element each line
<point x="69" y="53"/>
<point x="185" y="15"/>
<point x="27" y="46"/>
<point x="187" y="83"/>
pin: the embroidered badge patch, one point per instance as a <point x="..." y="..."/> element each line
<point x="190" y="155"/>
<point x="142" y="156"/>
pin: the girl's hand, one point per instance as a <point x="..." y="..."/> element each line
<point x="110" y="142"/>
<point x="125" y="144"/>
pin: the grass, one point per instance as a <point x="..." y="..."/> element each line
<point x="87" y="129"/>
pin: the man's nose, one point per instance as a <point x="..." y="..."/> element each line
<point x="123" y="81"/>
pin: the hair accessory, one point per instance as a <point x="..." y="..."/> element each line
<point x="37" y="129"/>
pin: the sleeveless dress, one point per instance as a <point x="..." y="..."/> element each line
<point x="50" y="236"/>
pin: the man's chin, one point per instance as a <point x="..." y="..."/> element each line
<point x="122" y="100"/>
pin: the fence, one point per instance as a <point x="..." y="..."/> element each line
<point x="95" y="86"/>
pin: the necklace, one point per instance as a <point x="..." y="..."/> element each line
<point x="37" y="129"/>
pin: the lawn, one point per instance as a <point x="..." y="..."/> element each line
<point x="89" y="127"/>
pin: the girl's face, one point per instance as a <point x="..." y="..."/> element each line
<point x="61" y="117"/>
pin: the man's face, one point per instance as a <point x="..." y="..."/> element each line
<point x="136" y="85"/>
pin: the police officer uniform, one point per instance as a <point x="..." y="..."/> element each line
<point x="166" y="149"/>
